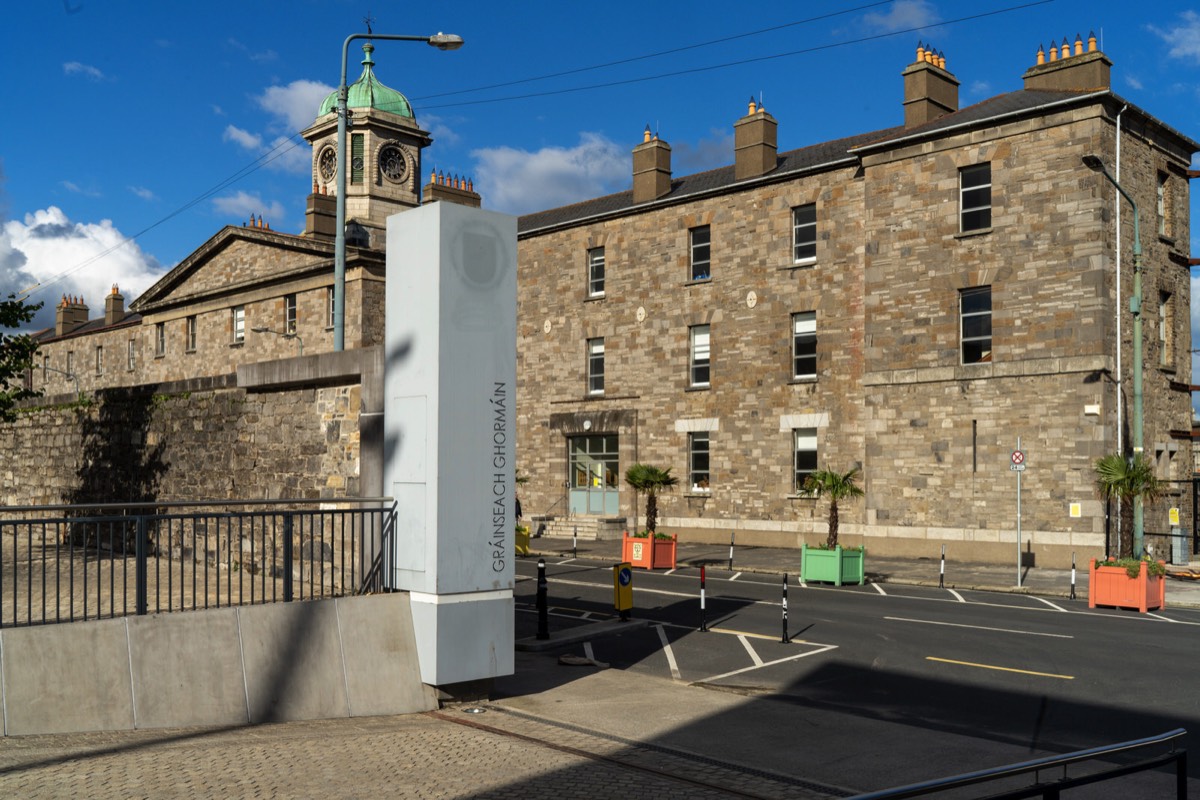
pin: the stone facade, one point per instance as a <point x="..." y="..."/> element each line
<point x="892" y="395"/>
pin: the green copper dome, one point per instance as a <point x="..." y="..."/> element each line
<point x="368" y="92"/>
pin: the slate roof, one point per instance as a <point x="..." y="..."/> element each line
<point x="1022" y="102"/>
<point x="91" y="326"/>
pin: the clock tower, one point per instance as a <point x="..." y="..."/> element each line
<point x="383" y="151"/>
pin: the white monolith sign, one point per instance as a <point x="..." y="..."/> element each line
<point x="450" y="424"/>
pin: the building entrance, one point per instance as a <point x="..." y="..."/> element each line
<point x="595" y="475"/>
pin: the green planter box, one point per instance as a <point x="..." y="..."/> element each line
<point x="836" y="566"/>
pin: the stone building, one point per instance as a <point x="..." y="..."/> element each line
<point x="912" y="301"/>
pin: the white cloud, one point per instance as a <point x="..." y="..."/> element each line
<point x="295" y="104"/>
<point x="143" y="192"/>
<point x="903" y="15"/>
<point x="519" y="181"/>
<point x="220" y="112"/>
<point x="47" y="244"/>
<point x="86" y="70"/>
<point x="439" y="129"/>
<point x="242" y="205"/>
<point x="290" y="154"/>
<point x="1133" y="82"/>
<point x="687" y="158"/>
<point x="259" y="56"/>
<point x="979" y="88"/>
<point x="249" y="141"/>
<point x="1183" y="38"/>
<point x="77" y="189"/>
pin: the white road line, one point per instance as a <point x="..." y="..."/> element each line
<point x="1055" y="606"/>
<point x="662" y="637"/>
<point x="879" y="589"/>
<point x="1159" y="616"/>
<point x="824" y="649"/>
<point x="587" y="651"/>
<point x="586" y="615"/>
<point x="560" y="563"/>
<point x="671" y="571"/>
<point x="736" y="575"/>
<point x="957" y="596"/>
<point x="979" y="627"/>
<point x="636" y="588"/>
<point x="758" y="662"/>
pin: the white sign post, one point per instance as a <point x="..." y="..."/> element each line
<point x="1017" y="465"/>
<point x="450" y="429"/>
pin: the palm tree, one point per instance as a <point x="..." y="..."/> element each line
<point x="1125" y="479"/>
<point x="651" y="480"/>
<point x="839" y="486"/>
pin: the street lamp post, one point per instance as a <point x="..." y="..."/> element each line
<point x="1135" y="307"/>
<point x="442" y="41"/>
<point x="292" y="335"/>
<point x="71" y="375"/>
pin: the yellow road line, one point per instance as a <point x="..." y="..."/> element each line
<point x="1001" y="669"/>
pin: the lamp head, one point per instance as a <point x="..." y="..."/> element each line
<point x="1092" y="161"/>
<point x="445" y="41"/>
<point x="261" y="329"/>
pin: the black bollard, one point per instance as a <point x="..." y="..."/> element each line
<point x="731" y="551"/>
<point x="575" y="542"/>
<point x="703" y="618"/>
<point x="942" y="573"/>
<point x="543" y="631"/>
<point x="786" y="638"/>
<point x="1072" y="574"/>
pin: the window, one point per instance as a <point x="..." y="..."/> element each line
<point x="160" y="339"/>
<point x="239" y="323"/>
<point x="804" y="456"/>
<point x="975" y="197"/>
<point x="70" y="362"/>
<point x="190" y="334"/>
<point x="1163" y="204"/>
<point x="700" y="359"/>
<point x="701" y="253"/>
<point x="1166" y="338"/>
<point x="595" y="366"/>
<point x="289" y="313"/>
<point x="99" y="359"/>
<point x="595" y="258"/>
<point x="329" y="306"/>
<point x="131" y="355"/>
<point x="698" y="461"/>
<point x="45" y="370"/>
<point x="804" y="344"/>
<point x="975" y="311"/>
<point x="804" y="234"/>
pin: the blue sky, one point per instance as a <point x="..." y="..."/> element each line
<point x="149" y="119"/>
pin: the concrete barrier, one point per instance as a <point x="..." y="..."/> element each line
<point x="232" y="666"/>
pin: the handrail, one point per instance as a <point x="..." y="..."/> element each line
<point x="1009" y="770"/>
<point x="197" y="504"/>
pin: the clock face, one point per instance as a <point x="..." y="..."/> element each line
<point x="327" y="163"/>
<point x="392" y="163"/>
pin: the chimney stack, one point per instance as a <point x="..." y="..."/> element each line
<point x="651" y="168"/>
<point x="754" y="143"/>
<point x="451" y="189"/>
<point x="929" y="90"/>
<point x="114" y="307"/>
<point x="320" y="217"/>
<point x="1070" y="71"/>
<point x="70" y="314"/>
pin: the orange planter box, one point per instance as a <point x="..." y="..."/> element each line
<point x="648" y="553"/>
<point x="1112" y="586"/>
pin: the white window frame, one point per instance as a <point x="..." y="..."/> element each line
<point x="804" y="331"/>
<point x="131" y="355"/>
<point x="700" y="251"/>
<point x="189" y="331"/>
<point x="700" y="356"/>
<point x="804" y="234"/>
<point x="239" y="324"/>
<point x="966" y="318"/>
<point x="974" y="196"/>
<point x="1162" y="202"/>
<point x="160" y="339"/>
<point x="595" y="366"/>
<point x="289" y="313"/>
<point x="804" y="441"/>
<point x="595" y="261"/>
<point x="700" y="447"/>
<point x="1166" y="342"/>
<point x="99" y="359"/>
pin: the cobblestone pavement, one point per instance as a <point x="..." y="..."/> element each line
<point x="447" y="754"/>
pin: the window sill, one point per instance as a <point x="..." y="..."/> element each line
<point x="699" y="388"/>
<point x="976" y="232"/>
<point x="1167" y="369"/>
<point x="705" y="493"/>
<point x="805" y="262"/>
<point x="801" y="496"/>
<point x="190" y="350"/>
<point x="160" y="355"/>
<point x="591" y="298"/>
<point x="238" y="344"/>
<point x="802" y="380"/>
<point x="698" y="281"/>
<point x="1167" y="240"/>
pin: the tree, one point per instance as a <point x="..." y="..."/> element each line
<point x="651" y="480"/>
<point x="16" y="354"/>
<point x="1124" y="479"/>
<point x="838" y="486"/>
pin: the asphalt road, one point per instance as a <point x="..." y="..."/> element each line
<point x="909" y="683"/>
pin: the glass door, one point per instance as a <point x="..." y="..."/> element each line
<point x="595" y="475"/>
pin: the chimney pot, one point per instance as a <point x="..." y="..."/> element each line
<point x="1078" y="45"/>
<point x="1091" y="41"/>
<point x="920" y="52"/>
<point x="1071" y="72"/>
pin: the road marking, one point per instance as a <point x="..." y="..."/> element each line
<point x="587" y="651"/>
<point x="957" y="596"/>
<point x="758" y="662"/>
<point x="1055" y="606"/>
<point x="736" y="575"/>
<point x="1001" y="669"/>
<point x="979" y="627"/>
<point x="823" y="649"/>
<point x="662" y="637"/>
<point x="671" y="571"/>
<point x="560" y="563"/>
<point x="1159" y="616"/>
<point x="748" y="634"/>
<point x="879" y="589"/>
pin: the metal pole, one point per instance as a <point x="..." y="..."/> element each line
<point x="942" y="571"/>
<point x="703" y="617"/>
<point x="731" y="551"/>
<point x="141" y="553"/>
<point x="288" y="587"/>
<point x="1072" y="574"/>
<point x="575" y="542"/>
<point x="543" y="614"/>
<point x="1019" y="519"/>
<point x="786" y="639"/>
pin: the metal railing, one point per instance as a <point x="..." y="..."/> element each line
<point x="69" y="563"/>
<point x="1052" y="788"/>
